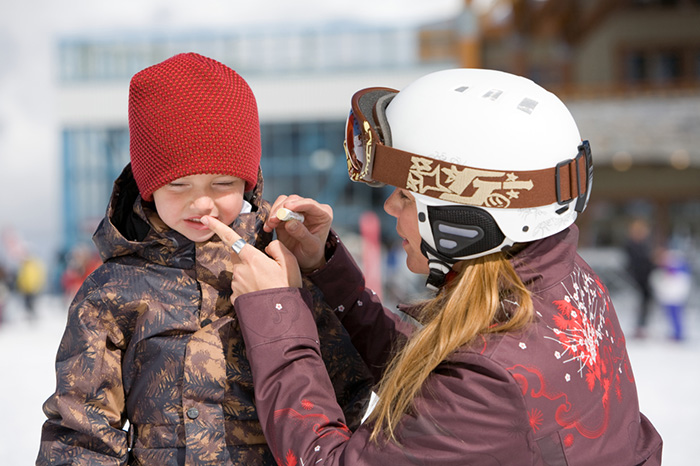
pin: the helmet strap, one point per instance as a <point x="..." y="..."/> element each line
<point x="439" y="265"/>
<point x="436" y="277"/>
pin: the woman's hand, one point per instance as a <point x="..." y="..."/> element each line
<point x="253" y="270"/>
<point x="307" y="240"/>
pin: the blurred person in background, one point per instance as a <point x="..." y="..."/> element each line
<point x="81" y="261"/>
<point x="640" y="264"/>
<point x="30" y="282"/>
<point x="5" y="284"/>
<point x="151" y="337"/>
<point x="518" y="358"/>
<point x="672" y="283"/>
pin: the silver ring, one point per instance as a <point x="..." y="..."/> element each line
<point x="238" y="245"/>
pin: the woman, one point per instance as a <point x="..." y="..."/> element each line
<point x="518" y="359"/>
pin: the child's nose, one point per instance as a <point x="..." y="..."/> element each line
<point x="203" y="202"/>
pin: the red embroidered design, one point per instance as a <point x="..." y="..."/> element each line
<point x="566" y="414"/>
<point x="299" y="423"/>
<point x="290" y="459"/>
<point x="535" y="419"/>
<point x="319" y="423"/>
<point x="568" y="440"/>
<point x="307" y="405"/>
<point x="581" y="328"/>
<point x="483" y="348"/>
<point x="586" y="340"/>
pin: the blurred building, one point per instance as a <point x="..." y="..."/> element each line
<point x="302" y="76"/>
<point x="629" y="70"/>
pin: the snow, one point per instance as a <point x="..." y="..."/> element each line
<point x="27" y="353"/>
<point x="667" y="378"/>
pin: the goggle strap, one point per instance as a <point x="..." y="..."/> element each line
<point x="479" y="187"/>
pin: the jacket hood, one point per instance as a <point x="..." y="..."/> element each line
<point x="131" y="227"/>
<point x="544" y="263"/>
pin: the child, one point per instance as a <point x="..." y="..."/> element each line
<point x="151" y="337"/>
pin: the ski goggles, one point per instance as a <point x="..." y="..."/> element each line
<point x="367" y="129"/>
<point x="372" y="160"/>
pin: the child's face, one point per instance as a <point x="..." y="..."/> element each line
<point x="181" y="203"/>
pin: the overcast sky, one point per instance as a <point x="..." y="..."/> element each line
<point x="30" y="196"/>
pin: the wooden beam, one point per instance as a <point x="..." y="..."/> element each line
<point x="591" y="18"/>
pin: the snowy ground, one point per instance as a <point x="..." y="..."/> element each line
<point x="668" y="377"/>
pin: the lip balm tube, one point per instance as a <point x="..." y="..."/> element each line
<point x="286" y="215"/>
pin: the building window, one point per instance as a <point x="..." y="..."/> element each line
<point x="669" y="66"/>
<point x="92" y="160"/>
<point x="252" y="51"/>
<point x="636" y="68"/>
<point x="660" y="67"/>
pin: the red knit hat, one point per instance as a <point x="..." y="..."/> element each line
<point x="191" y="115"/>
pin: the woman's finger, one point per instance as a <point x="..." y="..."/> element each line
<point x="272" y="221"/>
<point x="315" y="213"/>
<point x="287" y="262"/>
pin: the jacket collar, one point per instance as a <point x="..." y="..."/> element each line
<point x="544" y="263"/>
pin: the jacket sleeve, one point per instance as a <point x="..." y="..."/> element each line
<point x="348" y="372"/>
<point x="373" y="329"/>
<point x="470" y="412"/>
<point x="86" y="412"/>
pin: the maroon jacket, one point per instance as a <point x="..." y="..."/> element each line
<point x="559" y="392"/>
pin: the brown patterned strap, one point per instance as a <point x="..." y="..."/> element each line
<point x="478" y="187"/>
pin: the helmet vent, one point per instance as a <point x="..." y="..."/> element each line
<point x="493" y="94"/>
<point x="447" y="244"/>
<point x="562" y="210"/>
<point x="527" y="105"/>
<point x="462" y="88"/>
<point x="453" y="239"/>
<point x="460" y="231"/>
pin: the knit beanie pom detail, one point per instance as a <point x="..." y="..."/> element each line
<point x="191" y="115"/>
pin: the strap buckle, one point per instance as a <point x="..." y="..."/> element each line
<point x="582" y="189"/>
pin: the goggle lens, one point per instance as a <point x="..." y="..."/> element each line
<point x="354" y="146"/>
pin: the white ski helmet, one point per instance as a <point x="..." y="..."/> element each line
<point x="492" y="159"/>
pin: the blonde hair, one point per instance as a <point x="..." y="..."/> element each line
<point x="469" y="305"/>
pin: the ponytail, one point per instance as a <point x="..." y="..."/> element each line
<point x="472" y="304"/>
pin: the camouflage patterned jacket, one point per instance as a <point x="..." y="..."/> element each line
<point x="152" y="339"/>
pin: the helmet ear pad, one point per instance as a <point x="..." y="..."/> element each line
<point x="458" y="232"/>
